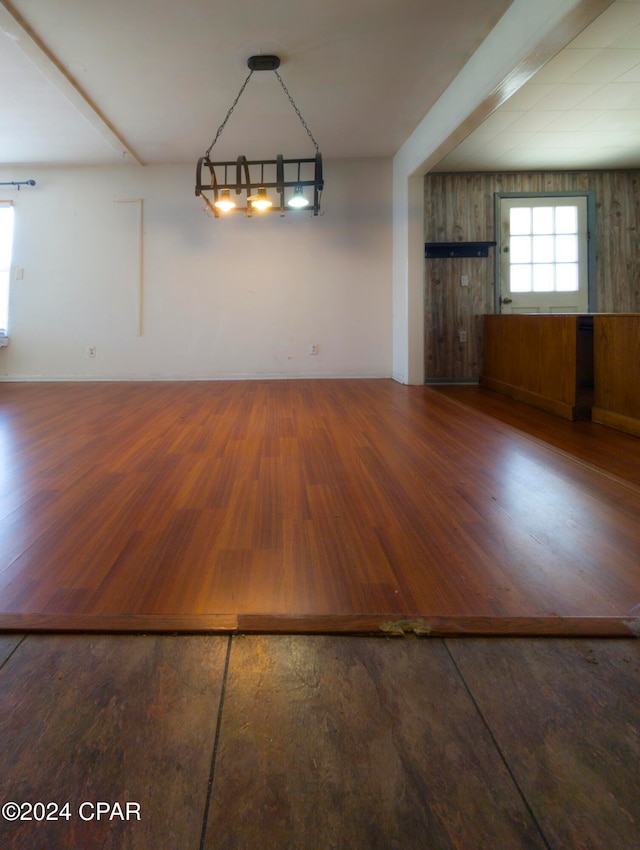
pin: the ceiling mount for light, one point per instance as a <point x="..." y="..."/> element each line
<point x="263" y="63"/>
<point x="289" y="177"/>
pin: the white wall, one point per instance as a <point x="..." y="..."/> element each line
<point x="225" y="298"/>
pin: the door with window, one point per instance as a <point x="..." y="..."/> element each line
<point x="543" y="247"/>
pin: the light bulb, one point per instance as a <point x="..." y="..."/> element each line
<point x="224" y="202"/>
<point x="298" y="200"/>
<point x="261" y="201"/>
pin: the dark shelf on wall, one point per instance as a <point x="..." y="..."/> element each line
<point x="445" y="250"/>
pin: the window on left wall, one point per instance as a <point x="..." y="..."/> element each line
<point x="6" y="244"/>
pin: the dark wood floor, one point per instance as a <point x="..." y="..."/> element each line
<point x="331" y="506"/>
<point x="306" y="742"/>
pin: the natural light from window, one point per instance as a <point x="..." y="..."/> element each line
<point x="6" y="241"/>
<point x="543" y="249"/>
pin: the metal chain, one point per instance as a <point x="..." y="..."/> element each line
<point x="233" y="106"/>
<point x="302" y="121"/>
<point x="228" y="115"/>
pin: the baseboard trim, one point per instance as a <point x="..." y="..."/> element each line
<point x="551" y="405"/>
<point x="21" y="379"/>
<point x="616" y="420"/>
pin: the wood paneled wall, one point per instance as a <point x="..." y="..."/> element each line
<point x="460" y="208"/>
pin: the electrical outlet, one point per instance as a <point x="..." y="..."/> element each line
<point x="90" y="351"/>
<point x="313" y="348"/>
<point x="18" y="273"/>
<point x="464" y="280"/>
<point x="462" y="336"/>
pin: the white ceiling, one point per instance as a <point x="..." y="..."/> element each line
<point x="83" y="80"/>
<point x="87" y="82"/>
<point x="582" y="110"/>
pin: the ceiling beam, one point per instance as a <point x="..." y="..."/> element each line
<point x="583" y="13"/>
<point x="17" y="29"/>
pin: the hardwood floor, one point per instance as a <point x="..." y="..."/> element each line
<point x="305" y="742"/>
<point x="611" y="452"/>
<point x="332" y="506"/>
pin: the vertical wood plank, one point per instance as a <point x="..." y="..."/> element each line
<point x="113" y="719"/>
<point x="362" y="743"/>
<point x="7" y="645"/>
<point x="566" y="715"/>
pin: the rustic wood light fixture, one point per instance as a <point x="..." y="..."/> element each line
<point x="288" y="177"/>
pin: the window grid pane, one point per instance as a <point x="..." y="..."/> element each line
<point x="521" y="278"/>
<point x="520" y="220"/>
<point x="566" y="219"/>
<point x="520" y="249"/>
<point x="543" y="277"/>
<point x="566" y="249"/>
<point x="544" y="249"/>
<point x="567" y="277"/>
<point x="543" y="220"/>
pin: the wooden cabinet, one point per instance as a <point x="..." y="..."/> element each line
<point x="578" y="366"/>
<point x="617" y="372"/>
<point x="544" y="360"/>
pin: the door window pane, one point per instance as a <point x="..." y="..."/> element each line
<point x="543" y="219"/>
<point x="566" y="249"/>
<point x="543" y="277"/>
<point x="566" y="219"/>
<point x="520" y="279"/>
<point x="567" y="277"/>
<point x="543" y="249"/>
<point x="520" y="249"/>
<point x="520" y="220"/>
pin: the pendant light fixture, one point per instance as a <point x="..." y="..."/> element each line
<point x="293" y="182"/>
